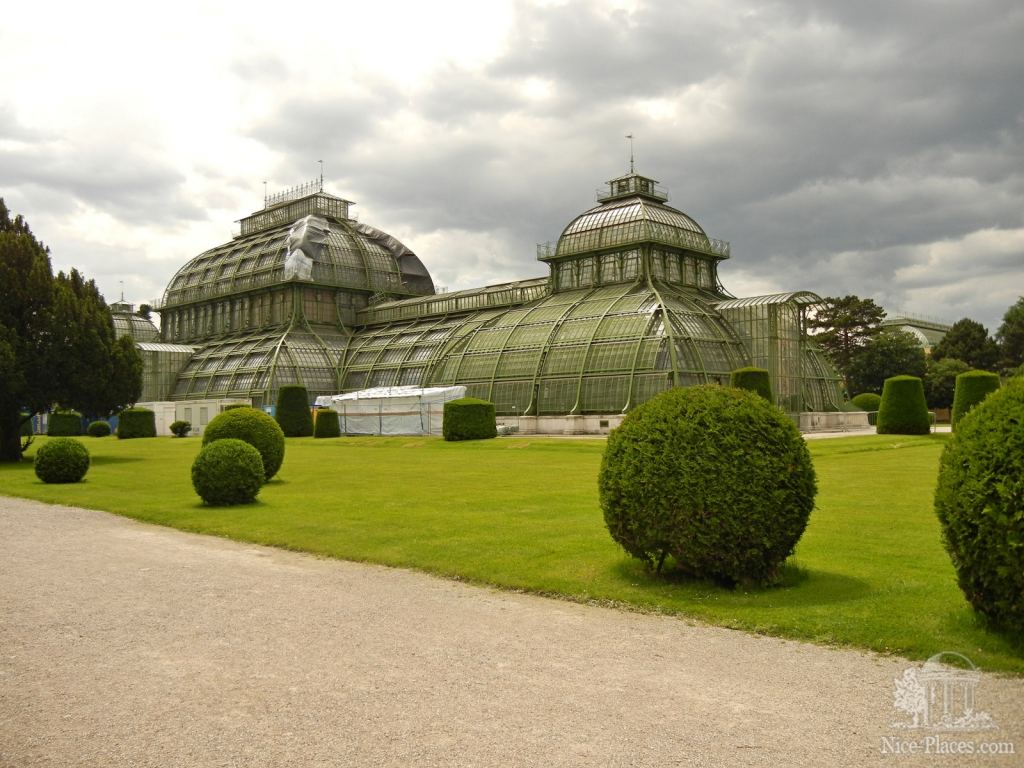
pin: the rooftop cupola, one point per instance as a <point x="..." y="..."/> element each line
<point x="633" y="185"/>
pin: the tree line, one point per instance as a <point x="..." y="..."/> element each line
<point x="58" y="347"/>
<point x="865" y="353"/>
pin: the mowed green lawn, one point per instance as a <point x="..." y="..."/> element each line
<point x="523" y="513"/>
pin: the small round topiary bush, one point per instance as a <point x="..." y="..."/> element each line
<point x="64" y="423"/>
<point x="292" y="412"/>
<point x="254" y="427"/>
<point x="753" y="379"/>
<point x="716" y="478"/>
<point x="227" y="471"/>
<point x="136" y="422"/>
<point x="980" y="504"/>
<point x="867" y="401"/>
<point x="971" y="388"/>
<point x="327" y="423"/>
<point x="903" y="410"/>
<point x="61" y="460"/>
<point x="469" y="419"/>
<point x="180" y="428"/>
<point x="98" y="428"/>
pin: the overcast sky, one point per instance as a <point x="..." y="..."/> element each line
<point x="872" y="147"/>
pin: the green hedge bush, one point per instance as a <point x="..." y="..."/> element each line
<point x="971" y="388"/>
<point x="61" y="460"/>
<point x="180" y="428"/>
<point x="227" y="471"/>
<point x="980" y="504"/>
<point x="753" y="379"/>
<point x="26" y="426"/>
<point x="903" y="410"/>
<point x="716" y="478"/>
<point x="64" y="423"/>
<point x="98" y="428"/>
<point x="327" y="423"/>
<point x="136" y="422"/>
<point x="469" y="419"/>
<point x="292" y="412"/>
<point x="867" y="401"/>
<point x="254" y="427"/>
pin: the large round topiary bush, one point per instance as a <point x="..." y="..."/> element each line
<point x="754" y="379"/>
<point x="715" y="477"/>
<point x="292" y="412"/>
<point x="254" y="427"/>
<point x="327" y="423"/>
<point x="980" y="504"/>
<point x="61" y="460"/>
<point x="971" y="388"/>
<point x="227" y="471"/>
<point x="903" y="410"/>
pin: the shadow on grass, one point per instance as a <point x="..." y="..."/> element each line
<point x="100" y="460"/>
<point x="798" y="586"/>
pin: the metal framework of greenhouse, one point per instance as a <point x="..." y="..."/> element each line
<point x="632" y="305"/>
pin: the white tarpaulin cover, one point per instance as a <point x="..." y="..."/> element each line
<point x="392" y="410"/>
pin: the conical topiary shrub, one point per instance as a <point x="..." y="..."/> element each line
<point x="753" y="379"/>
<point x="971" y="388"/>
<point x="903" y="410"/>
<point x="327" y="423"/>
<point x="292" y="412"/>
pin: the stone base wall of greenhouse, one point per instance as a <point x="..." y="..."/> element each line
<point x="839" y="421"/>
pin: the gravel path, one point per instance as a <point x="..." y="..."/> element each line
<point x="123" y="644"/>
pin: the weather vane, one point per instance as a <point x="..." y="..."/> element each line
<point x="630" y="137"/>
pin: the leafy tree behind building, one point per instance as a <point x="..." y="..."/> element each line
<point x="968" y="340"/>
<point x="843" y="327"/>
<point x="1010" y="336"/>
<point x="892" y="352"/>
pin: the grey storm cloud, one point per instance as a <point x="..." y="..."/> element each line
<point x="872" y="147"/>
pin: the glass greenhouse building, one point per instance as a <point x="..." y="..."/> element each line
<point x="632" y="305"/>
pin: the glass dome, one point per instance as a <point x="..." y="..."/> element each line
<point x="306" y="240"/>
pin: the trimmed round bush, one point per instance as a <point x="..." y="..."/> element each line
<point x="98" y="428"/>
<point x="903" y="410"/>
<point x="327" y="423"/>
<point x="980" y="504"/>
<point x="61" y="460"/>
<point x="180" y="428"/>
<point x="254" y="427"/>
<point x="469" y="419"/>
<point x="716" y="478"/>
<point x="753" y="379"/>
<point x="292" y="412"/>
<point x="64" y="423"/>
<point x="971" y="388"/>
<point x="226" y="472"/>
<point x="867" y="401"/>
<point x="136" y="422"/>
